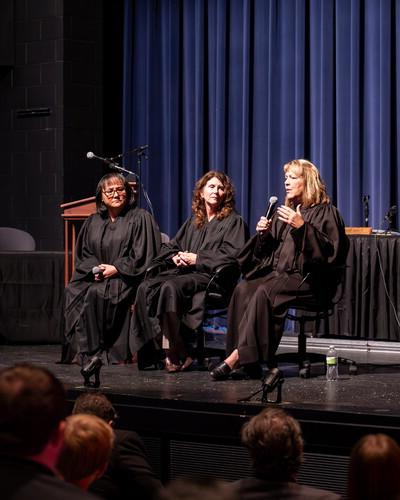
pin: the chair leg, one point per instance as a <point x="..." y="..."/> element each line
<point x="302" y="344"/>
<point x="200" y="347"/>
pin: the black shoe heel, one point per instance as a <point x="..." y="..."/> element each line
<point x="92" y="368"/>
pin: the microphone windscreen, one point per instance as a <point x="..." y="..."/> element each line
<point x="97" y="270"/>
<point x="271" y="207"/>
<point x="90" y="155"/>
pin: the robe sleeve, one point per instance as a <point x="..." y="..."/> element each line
<point x="225" y="251"/>
<point x="175" y="245"/>
<point x="85" y="258"/>
<point x="321" y="240"/>
<point x="142" y="246"/>
<point x="255" y="257"/>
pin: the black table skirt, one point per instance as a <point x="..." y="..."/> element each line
<point x="32" y="284"/>
<point x="31" y="292"/>
<point x="371" y="296"/>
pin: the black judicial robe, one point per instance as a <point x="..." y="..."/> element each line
<point x="283" y="267"/>
<point x="216" y="243"/>
<point x="96" y="312"/>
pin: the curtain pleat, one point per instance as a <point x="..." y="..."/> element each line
<point x="244" y="86"/>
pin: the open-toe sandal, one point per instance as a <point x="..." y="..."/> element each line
<point x="171" y="367"/>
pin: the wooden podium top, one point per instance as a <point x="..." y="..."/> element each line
<point x="79" y="209"/>
<point x="358" y="230"/>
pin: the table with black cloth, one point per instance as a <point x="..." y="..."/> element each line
<point x="31" y="293"/>
<point x="370" y="302"/>
<point x="32" y="285"/>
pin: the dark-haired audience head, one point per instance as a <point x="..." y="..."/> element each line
<point x="275" y="443"/>
<point x="32" y="411"/>
<point x="88" y="442"/>
<point x="197" y="489"/>
<point x="227" y="204"/>
<point x="96" y="404"/>
<point x="109" y="184"/>
<point x="374" y="472"/>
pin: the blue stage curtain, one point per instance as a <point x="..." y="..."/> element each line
<point x="244" y="86"/>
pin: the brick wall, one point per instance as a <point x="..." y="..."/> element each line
<point x="50" y="114"/>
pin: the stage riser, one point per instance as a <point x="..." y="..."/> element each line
<point x="186" y="459"/>
<point x="201" y="442"/>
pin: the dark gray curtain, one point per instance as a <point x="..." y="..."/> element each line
<point x="245" y="86"/>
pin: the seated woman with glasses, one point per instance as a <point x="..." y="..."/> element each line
<point x="172" y="303"/>
<point x="114" y="248"/>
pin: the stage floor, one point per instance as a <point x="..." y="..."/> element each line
<point x="374" y="390"/>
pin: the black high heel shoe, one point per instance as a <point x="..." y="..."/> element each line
<point x="92" y="368"/>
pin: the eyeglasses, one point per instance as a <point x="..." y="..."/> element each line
<point x="110" y="192"/>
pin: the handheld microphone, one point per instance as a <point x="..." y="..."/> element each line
<point x="90" y="155"/>
<point x="272" y="206"/>
<point x="97" y="271"/>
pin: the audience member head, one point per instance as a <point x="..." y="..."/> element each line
<point x="275" y="443"/>
<point x="88" y="442"/>
<point x="374" y="471"/>
<point x="314" y="187"/>
<point x="228" y="201"/>
<point x="95" y="403"/>
<point x="114" y="179"/>
<point x="32" y="412"/>
<point x="197" y="489"/>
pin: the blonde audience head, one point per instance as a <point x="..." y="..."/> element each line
<point x="88" y="442"/>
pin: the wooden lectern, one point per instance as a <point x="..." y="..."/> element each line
<point x="72" y="213"/>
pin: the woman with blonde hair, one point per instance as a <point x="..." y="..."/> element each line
<point x="293" y="258"/>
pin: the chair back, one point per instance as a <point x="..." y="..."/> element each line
<point x="13" y="239"/>
<point x="221" y="285"/>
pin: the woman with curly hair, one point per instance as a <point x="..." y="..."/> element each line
<point x="173" y="302"/>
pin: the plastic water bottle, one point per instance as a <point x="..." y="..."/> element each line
<point x="331" y="364"/>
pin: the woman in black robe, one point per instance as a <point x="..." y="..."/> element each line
<point x="174" y="300"/>
<point x="295" y="258"/>
<point x="114" y="248"/>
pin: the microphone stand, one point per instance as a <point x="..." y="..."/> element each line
<point x="366" y="209"/>
<point x="272" y="383"/>
<point x="140" y="151"/>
